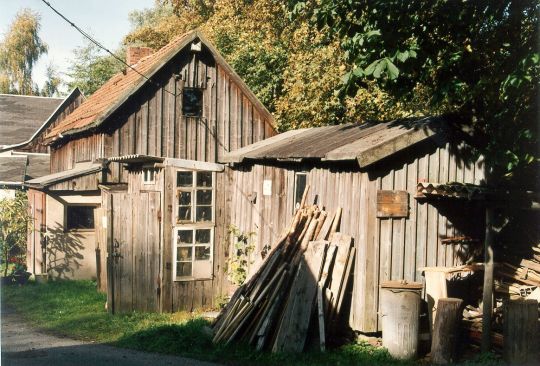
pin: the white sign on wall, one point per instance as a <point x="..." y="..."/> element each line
<point x="267" y="188"/>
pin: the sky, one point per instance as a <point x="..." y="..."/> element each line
<point x="106" y="20"/>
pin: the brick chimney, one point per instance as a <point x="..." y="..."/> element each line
<point x="134" y="54"/>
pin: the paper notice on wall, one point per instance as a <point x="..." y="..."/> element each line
<point x="104" y="221"/>
<point x="267" y="188"/>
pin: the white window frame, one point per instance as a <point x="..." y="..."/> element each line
<point x="192" y="224"/>
<point x="193" y="260"/>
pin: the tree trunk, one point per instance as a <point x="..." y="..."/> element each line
<point x="445" y="331"/>
<point x="521" y="332"/>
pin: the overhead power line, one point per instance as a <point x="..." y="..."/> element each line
<point x="98" y="44"/>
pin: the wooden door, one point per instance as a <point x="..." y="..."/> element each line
<point x="134" y="254"/>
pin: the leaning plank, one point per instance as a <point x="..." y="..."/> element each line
<point x="343" y="244"/>
<point x="328" y="261"/>
<point x="335" y="223"/>
<point x="292" y="334"/>
<point x="322" y="219"/>
<point x="325" y="229"/>
<point x="320" y="307"/>
<point x="346" y="278"/>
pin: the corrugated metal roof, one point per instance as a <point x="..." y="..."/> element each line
<point x="22" y="115"/>
<point x="80" y="170"/>
<point x="366" y="143"/>
<point x="136" y="158"/>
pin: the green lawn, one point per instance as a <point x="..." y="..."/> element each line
<point x="75" y="309"/>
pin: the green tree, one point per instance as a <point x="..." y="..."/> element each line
<point x="91" y="68"/>
<point x="53" y="82"/>
<point x="20" y="49"/>
<point x="477" y="60"/>
<point x="14" y="225"/>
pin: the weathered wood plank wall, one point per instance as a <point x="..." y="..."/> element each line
<point x="152" y="123"/>
<point x="388" y="249"/>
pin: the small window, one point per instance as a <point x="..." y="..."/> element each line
<point x="149" y="175"/>
<point x="300" y="180"/>
<point x="80" y="217"/>
<point x="192" y="99"/>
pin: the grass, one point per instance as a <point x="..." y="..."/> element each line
<point x="75" y="309"/>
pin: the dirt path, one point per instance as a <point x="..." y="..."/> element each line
<point x="25" y="346"/>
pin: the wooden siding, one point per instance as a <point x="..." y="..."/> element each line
<point x="388" y="248"/>
<point x="151" y="121"/>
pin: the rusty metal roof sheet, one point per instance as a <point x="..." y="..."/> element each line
<point x="365" y="143"/>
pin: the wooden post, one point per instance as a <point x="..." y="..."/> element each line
<point x="521" y="332"/>
<point x="487" y="297"/>
<point x="445" y="331"/>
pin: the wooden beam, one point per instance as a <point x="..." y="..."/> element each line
<point x="487" y="296"/>
<point x="194" y="165"/>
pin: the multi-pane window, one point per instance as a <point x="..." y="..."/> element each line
<point x="193" y="252"/>
<point x="195" y="196"/>
<point x="149" y="175"/>
<point x="194" y="231"/>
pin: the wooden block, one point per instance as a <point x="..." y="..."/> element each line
<point x="521" y="332"/>
<point x="392" y="204"/>
<point x="446" y="331"/>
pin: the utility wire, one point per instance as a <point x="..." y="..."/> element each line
<point x="97" y="43"/>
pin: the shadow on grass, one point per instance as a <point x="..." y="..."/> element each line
<point x="193" y="339"/>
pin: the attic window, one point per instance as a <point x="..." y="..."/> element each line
<point x="192" y="99"/>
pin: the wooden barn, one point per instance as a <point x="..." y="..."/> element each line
<point x="373" y="172"/>
<point x="136" y="167"/>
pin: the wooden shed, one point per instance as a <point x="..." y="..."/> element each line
<point x="372" y="171"/>
<point x="174" y="112"/>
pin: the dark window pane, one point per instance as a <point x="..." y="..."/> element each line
<point x="184" y="179"/>
<point x="202" y="253"/>
<point x="80" y="217"/>
<point x="192" y="102"/>
<point x="202" y="236"/>
<point x="184" y="198"/>
<point x="204" y="179"/>
<point x="299" y="189"/>
<point x="183" y="269"/>
<point x="184" y="213"/>
<point x="204" y="213"/>
<point x="185" y="237"/>
<point x="204" y="197"/>
<point x="184" y="253"/>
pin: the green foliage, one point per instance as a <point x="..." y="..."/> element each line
<point x="293" y="68"/>
<point x="20" y="49"/>
<point x="53" y="82"/>
<point x="14" y="225"/>
<point x="91" y="68"/>
<point x="239" y="260"/>
<point x="477" y="59"/>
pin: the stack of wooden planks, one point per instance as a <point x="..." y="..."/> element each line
<point x="300" y="284"/>
<point x="519" y="280"/>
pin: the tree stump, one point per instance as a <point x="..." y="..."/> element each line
<point x="521" y="332"/>
<point x="445" y="331"/>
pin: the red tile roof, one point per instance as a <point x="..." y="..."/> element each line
<point x="121" y="86"/>
<point x="115" y="91"/>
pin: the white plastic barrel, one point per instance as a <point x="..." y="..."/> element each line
<point x="400" y="312"/>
